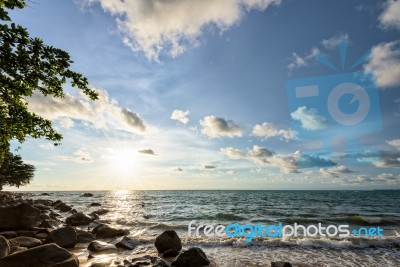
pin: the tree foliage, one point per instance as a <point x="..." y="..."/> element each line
<point x="28" y="66"/>
<point x="14" y="172"/>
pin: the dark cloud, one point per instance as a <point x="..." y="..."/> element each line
<point x="148" y="152"/>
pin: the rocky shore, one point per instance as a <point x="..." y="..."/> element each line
<point x="44" y="233"/>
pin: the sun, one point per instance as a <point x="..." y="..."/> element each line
<point x="124" y="162"/>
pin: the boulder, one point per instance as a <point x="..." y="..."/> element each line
<point x="65" y="237"/>
<point x="100" y="212"/>
<point x="168" y="240"/>
<point x="87" y="195"/>
<point x="79" y="218"/>
<point x="126" y="243"/>
<point x="26" y="233"/>
<point x="22" y="216"/>
<point x="280" y="264"/>
<point x="146" y="260"/>
<point x="105" y="231"/>
<point x="50" y="223"/>
<point x="99" y="246"/>
<point x="4" y="247"/>
<point x="26" y="241"/>
<point x="62" y="207"/>
<point x="170" y="253"/>
<point x="95" y="204"/>
<point x="8" y="234"/>
<point x="41" y="236"/>
<point x="49" y="255"/>
<point x="193" y="257"/>
<point x="85" y="236"/>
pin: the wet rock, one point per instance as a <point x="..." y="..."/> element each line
<point x="45" y="194"/>
<point x="95" y="204"/>
<point x="45" y="202"/>
<point x="170" y="253"/>
<point x="26" y="241"/>
<point x="84" y="236"/>
<point x="100" y="211"/>
<point x="42" y="236"/>
<point x="65" y="237"/>
<point x="4" y="247"/>
<point x="105" y="231"/>
<point x="26" y="233"/>
<point x="126" y="243"/>
<point x="41" y="207"/>
<point x="87" y="195"/>
<point x="193" y="257"/>
<point x="63" y="207"/>
<point x="168" y="240"/>
<point x="8" y="234"/>
<point x="79" y="218"/>
<point x="99" y="246"/>
<point x="22" y="216"/>
<point x="280" y="264"/>
<point x="50" y="223"/>
<point x="49" y="255"/>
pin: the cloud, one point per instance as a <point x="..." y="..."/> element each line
<point x="179" y="169"/>
<point x="147" y="152"/>
<point x="267" y="130"/>
<point x="381" y="159"/>
<point x="66" y="123"/>
<point x="286" y="163"/>
<point x="334" y="41"/>
<point x="169" y="27"/>
<point x="210" y="167"/>
<point x="180" y="115"/>
<point x="302" y="61"/>
<point x="335" y="171"/>
<point x="390" y="17"/>
<point x="309" y="118"/>
<point x="388" y="178"/>
<point x="215" y="127"/>
<point x="47" y="146"/>
<point x="79" y="156"/>
<point x="102" y="113"/>
<point x="385" y="64"/>
<point x="395" y="143"/>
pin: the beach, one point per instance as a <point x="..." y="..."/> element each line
<point x="144" y="215"/>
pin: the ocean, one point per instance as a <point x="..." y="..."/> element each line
<point x="148" y="213"/>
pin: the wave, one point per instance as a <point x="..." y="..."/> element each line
<point x="365" y="220"/>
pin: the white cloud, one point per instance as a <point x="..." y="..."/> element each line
<point x="302" y="61"/>
<point x="309" y="118"/>
<point x="233" y="153"/>
<point x="390" y="17"/>
<point x="79" y="156"/>
<point x="385" y="64"/>
<point x="102" y="113"/>
<point x="47" y="146"/>
<point x="180" y="115"/>
<point x="335" y="171"/>
<point x="334" y="41"/>
<point x="388" y="178"/>
<point x="66" y="123"/>
<point x="215" y="127"/>
<point x="267" y="130"/>
<point x="156" y="27"/>
<point x="395" y="143"/>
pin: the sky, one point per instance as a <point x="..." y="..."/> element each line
<point x="227" y="94"/>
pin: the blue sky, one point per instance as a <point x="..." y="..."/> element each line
<point x="194" y="95"/>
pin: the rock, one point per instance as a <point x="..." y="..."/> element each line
<point x="100" y="211"/>
<point x="49" y="255"/>
<point x="193" y="257"/>
<point x="65" y="237"/>
<point x="85" y="236"/>
<point x="99" y="246"/>
<point x="63" y="207"/>
<point x="126" y="243"/>
<point x="87" y="195"/>
<point x="50" y="223"/>
<point x="45" y="202"/>
<point x="22" y="216"/>
<point x="55" y="203"/>
<point x="8" y="234"/>
<point x="95" y="204"/>
<point x="26" y="233"/>
<point x="170" y="253"/>
<point x="41" y="206"/>
<point x="79" y="218"/>
<point x="105" y="231"/>
<point x="26" y="241"/>
<point x="280" y="264"/>
<point x="146" y="260"/>
<point x="45" y="194"/>
<point x="41" y="236"/>
<point x="168" y="240"/>
<point x="4" y="247"/>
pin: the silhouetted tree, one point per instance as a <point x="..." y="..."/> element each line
<point x="14" y="172"/>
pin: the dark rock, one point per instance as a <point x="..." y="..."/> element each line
<point x="280" y="264"/>
<point x="146" y="260"/>
<point x="8" y="234"/>
<point x="105" y="231"/>
<point x="4" y="247"/>
<point x="26" y="241"/>
<point x="126" y="243"/>
<point x="50" y="223"/>
<point x="41" y="207"/>
<point x="49" y="255"/>
<point x="168" y="240"/>
<point x="95" y="205"/>
<point x="170" y="253"/>
<point x="55" y="203"/>
<point x="45" y="202"/>
<point x="65" y="237"/>
<point x="26" y="233"/>
<point x="63" y="207"/>
<point x="22" y="216"/>
<point x="100" y="211"/>
<point x="99" y="246"/>
<point x="45" y="194"/>
<point x="193" y="257"/>
<point x="87" y="195"/>
<point x="42" y="236"/>
<point x="79" y="218"/>
<point x="85" y="236"/>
